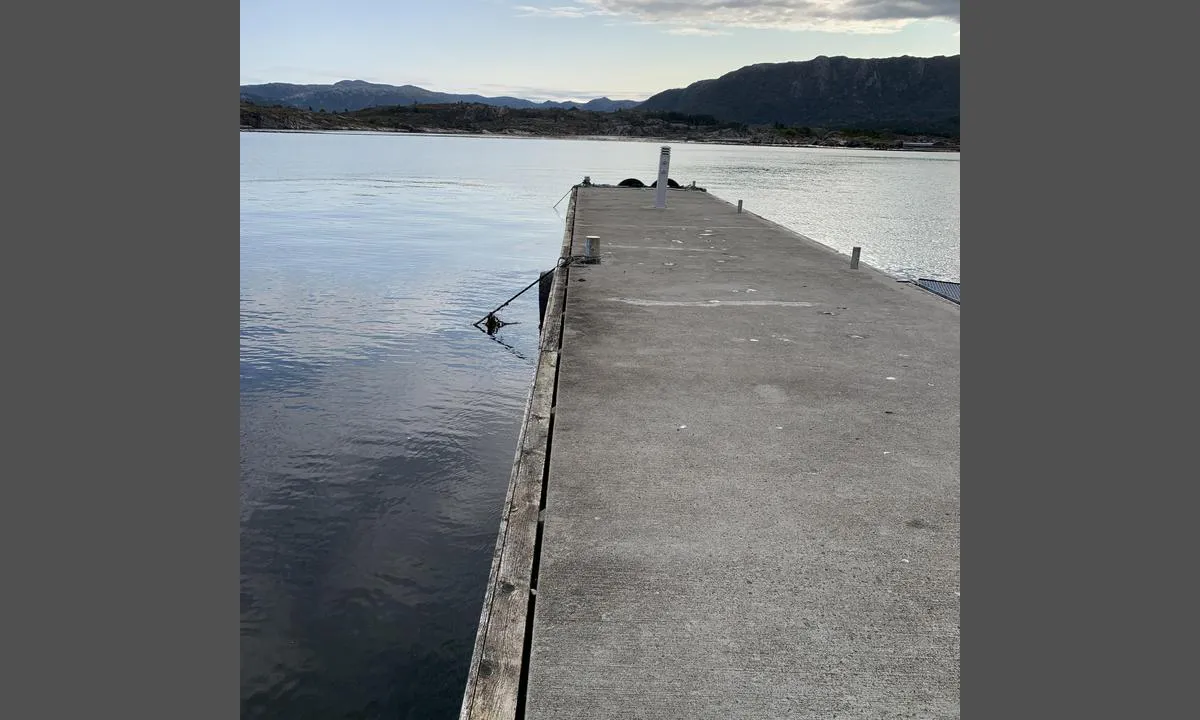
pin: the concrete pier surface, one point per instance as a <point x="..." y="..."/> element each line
<point x="749" y="495"/>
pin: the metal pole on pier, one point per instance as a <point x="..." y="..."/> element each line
<point x="664" y="164"/>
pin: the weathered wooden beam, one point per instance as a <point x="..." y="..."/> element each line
<point x="494" y="677"/>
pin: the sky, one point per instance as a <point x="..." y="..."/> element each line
<point x="572" y="49"/>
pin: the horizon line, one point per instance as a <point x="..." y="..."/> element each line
<point x="548" y="95"/>
<point x="541" y="95"/>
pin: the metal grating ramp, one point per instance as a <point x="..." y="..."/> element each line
<point x="948" y="290"/>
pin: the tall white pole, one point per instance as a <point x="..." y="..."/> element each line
<point x="664" y="164"/>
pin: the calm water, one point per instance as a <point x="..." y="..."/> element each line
<point x="378" y="427"/>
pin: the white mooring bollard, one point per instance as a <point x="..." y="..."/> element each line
<point x="591" y="249"/>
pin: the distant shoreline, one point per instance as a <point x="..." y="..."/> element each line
<point x="607" y="138"/>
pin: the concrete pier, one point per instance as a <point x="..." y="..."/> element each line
<point x="736" y="493"/>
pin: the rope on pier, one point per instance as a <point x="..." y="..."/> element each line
<point x="493" y="323"/>
<point x="587" y="182"/>
<point x="564" y="197"/>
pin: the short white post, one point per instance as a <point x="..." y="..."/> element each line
<point x="854" y="258"/>
<point x="591" y="249"/>
<point x="664" y="165"/>
<point x="739" y="205"/>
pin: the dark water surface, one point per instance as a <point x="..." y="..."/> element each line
<point x="378" y="427"/>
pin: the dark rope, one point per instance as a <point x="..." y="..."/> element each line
<point x="506" y="302"/>
<point x="564" y="197"/>
<point x="562" y="262"/>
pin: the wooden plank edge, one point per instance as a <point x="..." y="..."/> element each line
<point x="552" y="327"/>
<point x="537" y="406"/>
<point x="497" y="554"/>
<point x="496" y="666"/>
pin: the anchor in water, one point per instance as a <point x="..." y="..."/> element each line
<point x="490" y="323"/>
<point x="493" y="324"/>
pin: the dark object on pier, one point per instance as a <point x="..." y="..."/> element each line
<point x="952" y="291"/>
<point x="670" y="183"/>
<point x="545" y="280"/>
<point x="631" y="182"/>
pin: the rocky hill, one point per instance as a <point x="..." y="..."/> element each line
<point x="350" y="95"/>
<point x="902" y="94"/>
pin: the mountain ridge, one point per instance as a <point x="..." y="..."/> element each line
<point x="352" y="95"/>
<point x="903" y="91"/>
<point x="906" y="94"/>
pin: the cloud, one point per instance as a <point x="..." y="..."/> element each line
<point x="566" y="11"/>
<point x="695" y="31"/>
<point x="858" y="16"/>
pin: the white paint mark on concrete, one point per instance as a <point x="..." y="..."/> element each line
<point x="672" y="248"/>
<point x="772" y="394"/>
<point x="669" y="227"/>
<point x="712" y="303"/>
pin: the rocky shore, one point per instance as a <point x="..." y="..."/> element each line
<point x="469" y="119"/>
